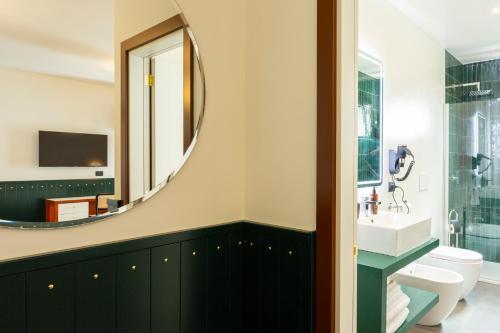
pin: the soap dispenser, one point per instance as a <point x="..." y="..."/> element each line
<point x="374" y="200"/>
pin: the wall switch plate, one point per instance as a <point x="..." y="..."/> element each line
<point x="423" y="182"/>
<point x="99" y="173"/>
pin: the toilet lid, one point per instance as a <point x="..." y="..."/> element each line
<point x="456" y="254"/>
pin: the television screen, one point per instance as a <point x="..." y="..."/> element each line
<point x="58" y="149"/>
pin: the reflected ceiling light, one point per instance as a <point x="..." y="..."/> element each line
<point x="496" y="11"/>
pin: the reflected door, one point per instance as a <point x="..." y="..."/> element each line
<point x="161" y="98"/>
<point x="167" y="123"/>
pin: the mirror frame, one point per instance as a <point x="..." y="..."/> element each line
<point x="380" y="180"/>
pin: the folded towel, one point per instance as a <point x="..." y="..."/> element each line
<point x="393" y="326"/>
<point x="392" y="288"/>
<point x="391" y="302"/>
<point x="393" y="296"/>
<point x="401" y="304"/>
<point x="390" y="280"/>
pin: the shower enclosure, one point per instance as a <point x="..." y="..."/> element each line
<point x="473" y="108"/>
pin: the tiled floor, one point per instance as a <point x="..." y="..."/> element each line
<point x="479" y="313"/>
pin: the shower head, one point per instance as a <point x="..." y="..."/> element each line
<point x="480" y="93"/>
<point x="472" y="93"/>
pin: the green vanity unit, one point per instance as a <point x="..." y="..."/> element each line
<point x="373" y="270"/>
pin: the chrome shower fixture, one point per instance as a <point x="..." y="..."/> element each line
<point x="472" y="93"/>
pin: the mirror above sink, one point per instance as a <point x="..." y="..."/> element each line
<point x="391" y="233"/>
<point x="370" y="112"/>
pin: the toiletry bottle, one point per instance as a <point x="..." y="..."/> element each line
<point x="374" y="201"/>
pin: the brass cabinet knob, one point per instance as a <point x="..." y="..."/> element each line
<point x="194" y="253"/>
<point x="269" y="248"/>
<point x="218" y="247"/>
<point x="134" y="268"/>
<point x="239" y="243"/>
<point x="96" y="276"/>
<point x="51" y="286"/>
<point x="165" y="260"/>
<point x="290" y="252"/>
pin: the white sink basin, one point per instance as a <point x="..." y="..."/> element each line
<point x="392" y="234"/>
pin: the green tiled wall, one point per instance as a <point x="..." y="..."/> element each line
<point x="454" y="75"/>
<point x="486" y="72"/>
<point x="369" y="113"/>
<point x="24" y="201"/>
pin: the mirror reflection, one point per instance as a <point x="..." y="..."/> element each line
<point x="78" y="142"/>
<point x="164" y="83"/>
<point x="370" y="106"/>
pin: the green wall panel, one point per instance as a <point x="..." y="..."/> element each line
<point x="233" y="267"/>
<point x="25" y="201"/>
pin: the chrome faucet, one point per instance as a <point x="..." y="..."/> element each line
<point x="367" y="203"/>
<point x="396" y="207"/>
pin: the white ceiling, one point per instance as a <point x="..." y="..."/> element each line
<point x="467" y="28"/>
<point x="73" y="38"/>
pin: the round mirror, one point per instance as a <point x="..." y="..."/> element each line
<point x="92" y="123"/>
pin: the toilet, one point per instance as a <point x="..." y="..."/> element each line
<point x="446" y="283"/>
<point x="464" y="262"/>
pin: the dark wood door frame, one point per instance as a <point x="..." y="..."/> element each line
<point x="188" y="90"/>
<point x="158" y="31"/>
<point x="326" y="166"/>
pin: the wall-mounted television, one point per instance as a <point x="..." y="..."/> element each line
<point x="59" y="149"/>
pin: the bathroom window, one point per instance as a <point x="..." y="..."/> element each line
<point x="370" y="88"/>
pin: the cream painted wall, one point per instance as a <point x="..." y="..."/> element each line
<point x="32" y="102"/>
<point x="214" y="183"/>
<point x="256" y="59"/>
<point x="208" y="190"/>
<point x="413" y="101"/>
<point x="280" y="113"/>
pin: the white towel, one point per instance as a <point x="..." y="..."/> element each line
<point x="392" y="289"/>
<point x="398" y="307"/>
<point x="394" y="301"/>
<point x="393" y="326"/>
<point x="393" y="296"/>
<point x="391" y="279"/>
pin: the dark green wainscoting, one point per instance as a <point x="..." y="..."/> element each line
<point x="24" y="201"/>
<point x="234" y="278"/>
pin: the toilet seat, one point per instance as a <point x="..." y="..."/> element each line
<point x="456" y="255"/>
